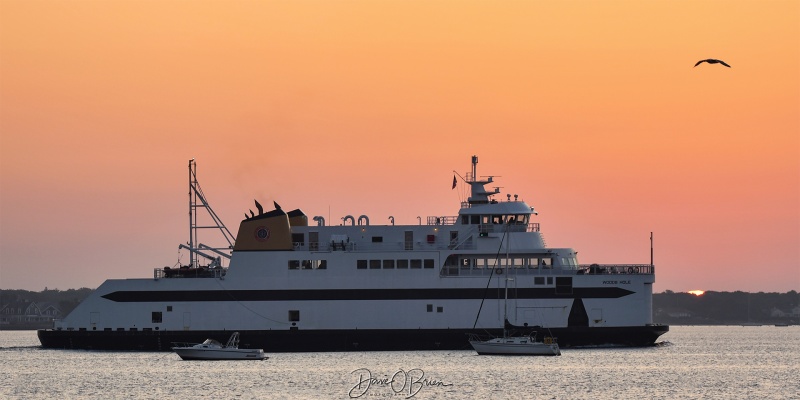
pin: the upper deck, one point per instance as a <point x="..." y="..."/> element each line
<point x="465" y="244"/>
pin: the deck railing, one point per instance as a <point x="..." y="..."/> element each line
<point x="186" y="272"/>
<point x="442" y="220"/>
<point x="616" y="269"/>
<point x="593" y="269"/>
<point x="439" y="244"/>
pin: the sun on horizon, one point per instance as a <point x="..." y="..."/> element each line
<point x="696" y="292"/>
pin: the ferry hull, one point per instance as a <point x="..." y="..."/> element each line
<point x="273" y="341"/>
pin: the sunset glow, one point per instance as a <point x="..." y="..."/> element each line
<point x="591" y="111"/>
<point x="696" y="292"/>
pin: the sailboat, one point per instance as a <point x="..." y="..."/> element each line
<point x="510" y="345"/>
<point x="515" y="346"/>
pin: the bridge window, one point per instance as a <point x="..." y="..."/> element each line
<point x="157" y="317"/>
<point x="374" y="264"/>
<point x="361" y="264"/>
<point x="428" y="263"/>
<point x="388" y="264"/>
<point x="402" y="264"/>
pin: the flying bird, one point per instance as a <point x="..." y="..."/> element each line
<point x="712" y="61"/>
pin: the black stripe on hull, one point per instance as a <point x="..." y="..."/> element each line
<point x="275" y="341"/>
<point x="359" y="294"/>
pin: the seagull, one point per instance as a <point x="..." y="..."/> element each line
<point x="712" y="61"/>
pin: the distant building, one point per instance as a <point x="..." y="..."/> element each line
<point x="27" y="313"/>
<point x="777" y="313"/>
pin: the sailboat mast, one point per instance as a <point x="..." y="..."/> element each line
<point x="505" y="272"/>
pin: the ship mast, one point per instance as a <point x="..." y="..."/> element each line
<point x="478" y="194"/>
<point x="198" y="200"/>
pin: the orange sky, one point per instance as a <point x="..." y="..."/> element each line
<point x="591" y="111"/>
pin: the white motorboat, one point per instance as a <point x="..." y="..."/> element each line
<point x="214" y="350"/>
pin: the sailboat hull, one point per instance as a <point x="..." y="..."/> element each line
<point x="514" y="347"/>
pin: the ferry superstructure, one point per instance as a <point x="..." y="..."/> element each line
<point x="295" y="286"/>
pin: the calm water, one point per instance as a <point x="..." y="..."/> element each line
<point x="729" y="362"/>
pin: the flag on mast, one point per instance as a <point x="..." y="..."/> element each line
<point x="454" y="182"/>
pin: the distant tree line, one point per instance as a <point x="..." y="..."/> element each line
<point x="712" y="308"/>
<point x="674" y="308"/>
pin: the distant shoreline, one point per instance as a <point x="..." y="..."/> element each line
<point x="27" y="310"/>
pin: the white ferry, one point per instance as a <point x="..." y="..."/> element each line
<point x="291" y="285"/>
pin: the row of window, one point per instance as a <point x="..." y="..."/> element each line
<point x="392" y="264"/>
<point x="19" y="311"/>
<point x="521" y="219"/>
<point x="367" y="264"/>
<point x="528" y="262"/>
<point x="518" y="262"/>
<point x="308" y="264"/>
<point x="464" y="263"/>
